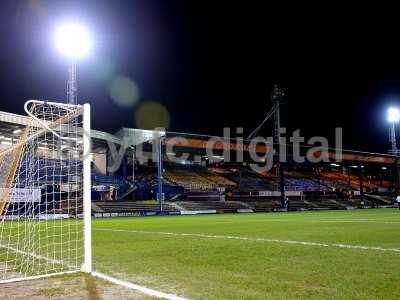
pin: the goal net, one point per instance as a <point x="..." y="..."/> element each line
<point x="42" y="193"/>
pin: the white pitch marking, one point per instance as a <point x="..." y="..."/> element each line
<point x="326" y="221"/>
<point x="36" y="277"/>
<point x="229" y="237"/>
<point x="346" y="221"/>
<point x="356" y="221"/>
<point x="54" y="261"/>
<point x="129" y="285"/>
<point x="139" y="288"/>
<point x="366" y="247"/>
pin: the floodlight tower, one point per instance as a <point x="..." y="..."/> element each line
<point x="74" y="42"/>
<point x="72" y="87"/>
<point x="277" y="96"/>
<point x="393" y="117"/>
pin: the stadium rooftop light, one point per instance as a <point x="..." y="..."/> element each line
<point x="393" y="115"/>
<point x="73" y="40"/>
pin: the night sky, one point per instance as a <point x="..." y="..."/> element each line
<point x="213" y="65"/>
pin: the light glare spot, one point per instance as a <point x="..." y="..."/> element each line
<point x="124" y="91"/>
<point x="73" y="40"/>
<point x="393" y="115"/>
<point x="151" y="115"/>
<point x="103" y="70"/>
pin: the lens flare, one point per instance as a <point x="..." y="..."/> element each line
<point x="124" y="91"/>
<point x="151" y="115"/>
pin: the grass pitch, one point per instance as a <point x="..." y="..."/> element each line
<point x="345" y="255"/>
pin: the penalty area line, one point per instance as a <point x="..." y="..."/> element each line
<point x="242" y="238"/>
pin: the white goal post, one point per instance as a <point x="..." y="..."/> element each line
<point x="45" y="194"/>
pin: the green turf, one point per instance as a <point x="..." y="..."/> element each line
<point x="221" y="268"/>
<point x="32" y="247"/>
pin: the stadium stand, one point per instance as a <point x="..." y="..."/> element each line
<point x="263" y="206"/>
<point x="217" y="189"/>
<point x="248" y="180"/>
<point x="189" y="180"/>
<point x="218" y="206"/>
<point x="325" y="204"/>
<point x="131" y="206"/>
<point x="231" y="188"/>
<point x="196" y="178"/>
<point x="339" y="180"/>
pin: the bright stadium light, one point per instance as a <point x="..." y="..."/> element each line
<point x="73" y="40"/>
<point x="393" y="115"/>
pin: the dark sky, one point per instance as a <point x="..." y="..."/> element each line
<point x="213" y="63"/>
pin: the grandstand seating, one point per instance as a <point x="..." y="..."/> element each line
<point x="123" y="186"/>
<point x="189" y="180"/>
<point x="339" y="180"/>
<point x="296" y="204"/>
<point x="349" y="203"/>
<point x="301" y="184"/>
<point x="248" y="180"/>
<point x="49" y="170"/>
<point x="107" y="180"/>
<point x="197" y="188"/>
<point x="256" y="205"/>
<point x="219" y="206"/>
<point x="196" y="180"/>
<point x="130" y="206"/>
<point x="263" y="206"/>
<point x="217" y="178"/>
<point x="326" y="204"/>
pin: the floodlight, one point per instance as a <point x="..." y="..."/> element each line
<point x="73" y="40"/>
<point x="393" y="115"/>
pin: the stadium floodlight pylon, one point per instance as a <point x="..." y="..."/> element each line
<point x="45" y="202"/>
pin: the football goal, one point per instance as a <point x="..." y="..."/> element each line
<point x="45" y="200"/>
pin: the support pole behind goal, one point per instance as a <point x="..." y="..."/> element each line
<point x="87" y="201"/>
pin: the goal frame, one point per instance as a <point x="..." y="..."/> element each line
<point x="86" y="266"/>
<point x="87" y="196"/>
